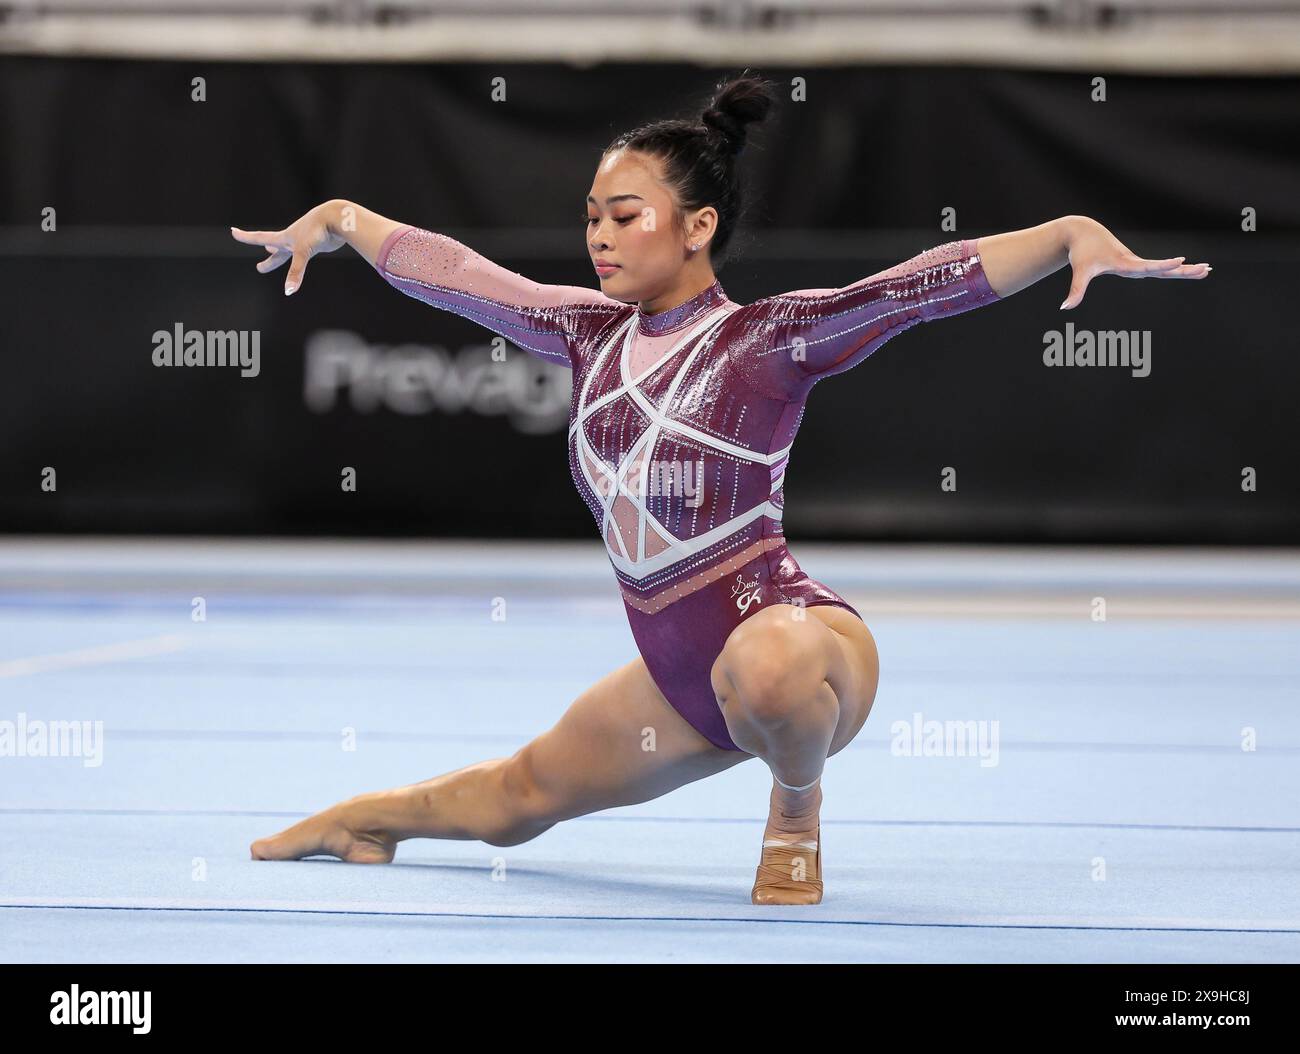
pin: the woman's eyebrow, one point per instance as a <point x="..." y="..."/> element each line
<point x="616" y="197"/>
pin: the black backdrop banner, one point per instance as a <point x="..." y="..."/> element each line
<point x="143" y="181"/>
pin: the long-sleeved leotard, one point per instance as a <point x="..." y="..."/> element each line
<point x="681" y="424"/>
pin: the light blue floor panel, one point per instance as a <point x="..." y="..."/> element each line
<point x="1118" y="820"/>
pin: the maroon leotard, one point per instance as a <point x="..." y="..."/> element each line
<point x="681" y="424"/>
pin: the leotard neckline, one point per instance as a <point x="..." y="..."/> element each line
<point x="675" y="318"/>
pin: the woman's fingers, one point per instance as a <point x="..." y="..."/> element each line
<point x="1091" y="257"/>
<point x="294" y="279"/>
<point x="1197" y="270"/>
<point x="1079" y="280"/>
<point x="258" y="237"/>
<point x="1153" y="266"/>
<point x="280" y="247"/>
<point x="1174" y="267"/>
<point x="276" y="259"/>
<point x="1171" y="268"/>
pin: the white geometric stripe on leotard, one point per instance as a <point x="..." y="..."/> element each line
<point x="612" y="486"/>
<point x="657" y="415"/>
<point x="681" y="427"/>
<point x="658" y="420"/>
<point x="677" y="549"/>
<point x="582" y="449"/>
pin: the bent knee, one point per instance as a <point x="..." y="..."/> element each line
<point x="772" y="664"/>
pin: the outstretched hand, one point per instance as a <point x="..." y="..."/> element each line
<point x="1094" y="250"/>
<point x="299" y="242"/>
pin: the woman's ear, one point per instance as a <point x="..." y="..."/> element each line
<point x="703" y="227"/>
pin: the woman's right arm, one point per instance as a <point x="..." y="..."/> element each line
<point x="547" y="320"/>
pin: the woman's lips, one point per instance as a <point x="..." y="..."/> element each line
<point x="605" y="270"/>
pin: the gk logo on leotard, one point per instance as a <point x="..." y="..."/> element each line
<point x="746" y="593"/>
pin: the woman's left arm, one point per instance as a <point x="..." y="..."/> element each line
<point x="1018" y="259"/>
<point x="798" y="338"/>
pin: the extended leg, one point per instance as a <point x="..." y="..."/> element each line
<point x="619" y="743"/>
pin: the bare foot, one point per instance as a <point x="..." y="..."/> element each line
<point x="347" y="830"/>
<point x="790" y="867"/>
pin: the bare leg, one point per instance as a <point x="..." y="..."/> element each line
<point x="795" y="686"/>
<point x="619" y="743"/>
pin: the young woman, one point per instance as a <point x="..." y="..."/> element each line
<point x="685" y="405"/>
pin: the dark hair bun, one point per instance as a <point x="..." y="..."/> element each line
<point x="737" y="103"/>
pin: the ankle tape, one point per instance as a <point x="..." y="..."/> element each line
<point x="789" y="788"/>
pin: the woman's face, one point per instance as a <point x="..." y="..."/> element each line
<point x="632" y="227"/>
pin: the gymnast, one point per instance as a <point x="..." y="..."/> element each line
<point x="741" y="653"/>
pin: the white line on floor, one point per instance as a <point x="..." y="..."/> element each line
<point x="122" y="652"/>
